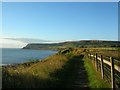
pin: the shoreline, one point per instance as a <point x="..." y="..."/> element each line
<point x="22" y="56"/>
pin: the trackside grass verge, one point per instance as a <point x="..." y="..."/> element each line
<point x="95" y="80"/>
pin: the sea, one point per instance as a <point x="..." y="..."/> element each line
<point x="17" y="55"/>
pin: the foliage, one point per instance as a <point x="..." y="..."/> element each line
<point x="95" y="81"/>
<point x="55" y="71"/>
<point x="58" y="70"/>
<point x="74" y="44"/>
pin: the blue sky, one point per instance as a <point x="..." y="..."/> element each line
<point x="61" y="21"/>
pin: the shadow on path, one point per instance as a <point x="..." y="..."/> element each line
<point x="73" y="74"/>
<point x="81" y="79"/>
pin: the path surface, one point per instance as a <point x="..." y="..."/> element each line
<point x="81" y="79"/>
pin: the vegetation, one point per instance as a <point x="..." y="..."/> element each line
<point x="95" y="80"/>
<point x="74" y="44"/>
<point x="58" y="70"/>
<point x="55" y="71"/>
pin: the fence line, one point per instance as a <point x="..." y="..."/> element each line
<point x="108" y="63"/>
<point x="102" y="64"/>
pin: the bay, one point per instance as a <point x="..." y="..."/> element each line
<point x="17" y="56"/>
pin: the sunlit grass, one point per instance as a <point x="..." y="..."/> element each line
<point x="54" y="71"/>
<point x="50" y="72"/>
<point x="95" y="80"/>
<point x="21" y="75"/>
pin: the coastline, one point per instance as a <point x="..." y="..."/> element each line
<point x="57" y="70"/>
<point x="20" y="56"/>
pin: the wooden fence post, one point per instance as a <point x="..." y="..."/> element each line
<point x="102" y="67"/>
<point x="90" y="55"/>
<point x="94" y="59"/>
<point x="96" y="62"/>
<point x="112" y="73"/>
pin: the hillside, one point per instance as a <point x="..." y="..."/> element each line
<point x="60" y="70"/>
<point x="82" y="43"/>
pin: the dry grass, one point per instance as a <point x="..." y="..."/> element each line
<point x="50" y="72"/>
<point x="38" y="72"/>
<point x="54" y="71"/>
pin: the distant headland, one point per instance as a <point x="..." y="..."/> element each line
<point x="73" y="44"/>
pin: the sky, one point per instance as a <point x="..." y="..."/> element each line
<point x="60" y="21"/>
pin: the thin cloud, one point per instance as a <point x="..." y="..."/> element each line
<point x="30" y="40"/>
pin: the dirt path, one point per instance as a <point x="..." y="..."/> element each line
<point x="81" y="79"/>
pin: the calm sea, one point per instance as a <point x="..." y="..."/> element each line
<point x="14" y="56"/>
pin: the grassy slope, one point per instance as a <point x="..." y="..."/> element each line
<point x="55" y="71"/>
<point x="0" y="77"/>
<point x="73" y="44"/>
<point x="36" y="75"/>
<point x="58" y="70"/>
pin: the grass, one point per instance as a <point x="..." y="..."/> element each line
<point x="0" y="74"/>
<point x="58" y="70"/>
<point x="55" y="71"/>
<point x="34" y="75"/>
<point x="95" y="80"/>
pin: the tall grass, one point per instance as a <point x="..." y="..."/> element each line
<point x="36" y="75"/>
<point x="95" y="80"/>
<point x="58" y="70"/>
<point x="55" y="71"/>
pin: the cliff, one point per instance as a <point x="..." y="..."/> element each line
<point x="73" y="44"/>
